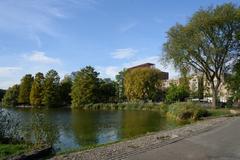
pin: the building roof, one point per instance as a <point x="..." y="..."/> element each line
<point x="142" y="65"/>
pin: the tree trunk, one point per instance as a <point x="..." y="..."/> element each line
<point x="214" y="97"/>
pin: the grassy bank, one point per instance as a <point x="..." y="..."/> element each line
<point x="125" y="106"/>
<point x="186" y="111"/>
<point x="182" y="111"/>
<point x="9" y="150"/>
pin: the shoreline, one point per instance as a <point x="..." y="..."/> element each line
<point x="123" y="149"/>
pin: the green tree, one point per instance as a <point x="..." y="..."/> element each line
<point x="25" y="89"/>
<point x="120" y="85"/>
<point x="36" y="94"/>
<point x="143" y="84"/>
<point x="51" y="95"/>
<point x="107" y="91"/>
<point x="10" y="99"/>
<point x="233" y="81"/>
<point x="208" y="43"/>
<point x="177" y="93"/>
<point x="85" y="87"/>
<point x="65" y="90"/>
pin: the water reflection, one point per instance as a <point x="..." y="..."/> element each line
<point x="69" y="129"/>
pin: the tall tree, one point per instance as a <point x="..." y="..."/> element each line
<point x="208" y="43"/>
<point x="10" y="99"/>
<point x="143" y="84"/>
<point x="36" y="94"/>
<point x="85" y="87"/>
<point x="25" y="89"/>
<point x="107" y="91"/>
<point x="51" y="95"/>
<point x="120" y="85"/>
<point x="65" y="90"/>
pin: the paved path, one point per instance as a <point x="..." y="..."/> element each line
<point x="221" y="143"/>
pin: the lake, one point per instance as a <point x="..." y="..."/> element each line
<point x="73" y="129"/>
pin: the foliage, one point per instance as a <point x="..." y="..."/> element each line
<point x="85" y="87"/>
<point x="36" y="94"/>
<point x="208" y="43"/>
<point x="186" y="111"/>
<point x="65" y="90"/>
<point x="25" y="89"/>
<point x="2" y="92"/>
<point x="177" y="93"/>
<point x="51" y="97"/>
<point x="143" y="84"/>
<point x="9" y="131"/>
<point x="234" y="82"/>
<point x="42" y="132"/>
<point x="120" y="85"/>
<point x="107" y="91"/>
<point x="11" y="96"/>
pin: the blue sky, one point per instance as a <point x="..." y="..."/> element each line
<point x="66" y="35"/>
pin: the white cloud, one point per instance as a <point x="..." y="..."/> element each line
<point x="109" y="71"/>
<point x="128" y="27"/>
<point x="41" y="57"/>
<point x="8" y="71"/>
<point x="124" y="53"/>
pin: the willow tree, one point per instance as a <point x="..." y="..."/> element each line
<point x="208" y="43"/>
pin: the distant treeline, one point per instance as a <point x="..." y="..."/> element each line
<point x="84" y="87"/>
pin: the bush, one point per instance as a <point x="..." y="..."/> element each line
<point x="187" y="111"/>
<point x="9" y="127"/>
<point x="177" y="93"/>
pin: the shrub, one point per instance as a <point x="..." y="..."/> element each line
<point x="9" y="127"/>
<point x="187" y="111"/>
<point x="176" y="93"/>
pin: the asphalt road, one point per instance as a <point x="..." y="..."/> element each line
<point x="221" y="143"/>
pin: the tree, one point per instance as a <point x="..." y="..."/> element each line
<point x="177" y="93"/>
<point x="107" y="91"/>
<point x="208" y="43"/>
<point x="36" y="94"/>
<point x="233" y="82"/>
<point x="85" y="87"/>
<point x="2" y="92"/>
<point x="143" y="84"/>
<point x="51" y="95"/>
<point x="10" y="99"/>
<point x="120" y="85"/>
<point x="25" y="89"/>
<point x="65" y="90"/>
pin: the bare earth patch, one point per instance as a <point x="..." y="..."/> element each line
<point x="123" y="149"/>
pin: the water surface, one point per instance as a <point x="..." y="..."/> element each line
<point x="71" y="129"/>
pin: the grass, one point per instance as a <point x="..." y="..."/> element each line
<point x="186" y="111"/>
<point x="7" y="150"/>
<point x="219" y="112"/>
